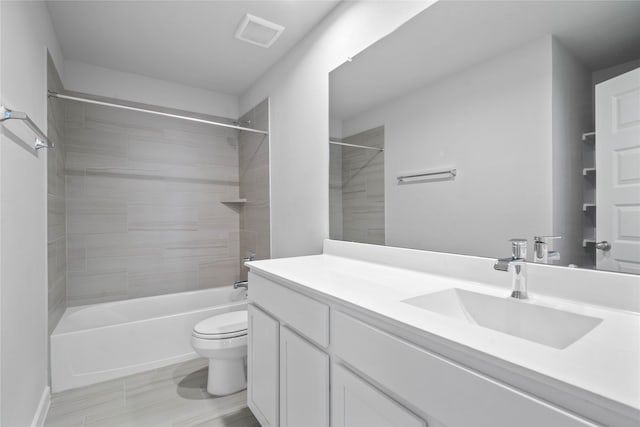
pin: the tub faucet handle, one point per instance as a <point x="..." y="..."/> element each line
<point x="250" y="257"/>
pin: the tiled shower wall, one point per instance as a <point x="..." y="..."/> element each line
<point x="335" y="192"/>
<point x="56" y="230"/>
<point x="255" y="234"/>
<point x="363" y="188"/>
<point x="145" y="204"/>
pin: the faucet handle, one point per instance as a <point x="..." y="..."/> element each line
<point x="250" y="257"/>
<point x="543" y="239"/>
<point x="518" y="248"/>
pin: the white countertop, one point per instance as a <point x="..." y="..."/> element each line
<point x="605" y="362"/>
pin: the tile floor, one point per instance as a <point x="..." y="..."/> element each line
<point x="172" y="396"/>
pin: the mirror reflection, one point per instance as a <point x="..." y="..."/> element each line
<point x="478" y="122"/>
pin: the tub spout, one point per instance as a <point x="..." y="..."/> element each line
<point x="241" y="284"/>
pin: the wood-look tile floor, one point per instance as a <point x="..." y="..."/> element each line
<point x="172" y="396"/>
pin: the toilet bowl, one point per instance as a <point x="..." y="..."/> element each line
<point x="223" y="340"/>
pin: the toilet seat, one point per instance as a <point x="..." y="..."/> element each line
<point x="222" y="326"/>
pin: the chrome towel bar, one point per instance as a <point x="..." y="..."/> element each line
<point x="41" y="139"/>
<point x="424" y="176"/>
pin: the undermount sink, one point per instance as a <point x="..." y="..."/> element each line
<point x="543" y="325"/>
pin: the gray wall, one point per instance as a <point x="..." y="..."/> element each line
<point x="144" y="205"/>
<point x="56" y="211"/>
<point x="255" y="236"/>
<point x="363" y="188"/>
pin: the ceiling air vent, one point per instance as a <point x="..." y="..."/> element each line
<point x="258" y="31"/>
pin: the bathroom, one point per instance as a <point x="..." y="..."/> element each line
<point x="145" y="203"/>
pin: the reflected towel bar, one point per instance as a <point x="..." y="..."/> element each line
<point x="442" y="174"/>
<point x="41" y="139"/>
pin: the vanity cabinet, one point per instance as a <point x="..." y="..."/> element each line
<point x="377" y="378"/>
<point x="293" y="342"/>
<point x="263" y="365"/>
<point x="440" y="388"/>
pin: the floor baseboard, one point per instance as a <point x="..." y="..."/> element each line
<point x="43" y="408"/>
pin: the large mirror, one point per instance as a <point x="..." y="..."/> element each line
<point x="481" y="121"/>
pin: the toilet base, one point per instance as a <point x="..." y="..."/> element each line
<point x="226" y="376"/>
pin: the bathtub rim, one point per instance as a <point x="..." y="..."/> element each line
<point x="241" y="294"/>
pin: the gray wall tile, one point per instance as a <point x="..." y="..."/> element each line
<point x="143" y="205"/>
<point x="362" y="189"/>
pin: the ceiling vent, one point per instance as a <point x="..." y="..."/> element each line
<point x="258" y="31"/>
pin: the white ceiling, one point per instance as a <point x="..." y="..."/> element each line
<point x="187" y="42"/>
<point x="452" y="35"/>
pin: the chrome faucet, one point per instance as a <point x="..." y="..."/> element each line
<point x="541" y="252"/>
<point x="518" y="261"/>
<point x="250" y="257"/>
<point x="244" y="284"/>
<point x="241" y="284"/>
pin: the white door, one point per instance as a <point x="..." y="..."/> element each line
<point x="618" y="173"/>
<point x="355" y="403"/>
<point x="304" y="382"/>
<point x="262" y="366"/>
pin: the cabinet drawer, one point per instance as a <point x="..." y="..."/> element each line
<point x="307" y="316"/>
<point x="449" y="392"/>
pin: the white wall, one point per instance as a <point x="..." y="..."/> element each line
<point x="298" y="88"/>
<point x="1" y="141"/>
<point x="110" y="83"/>
<point x="492" y="122"/>
<point x="26" y="32"/>
<point x="572" y="116"/>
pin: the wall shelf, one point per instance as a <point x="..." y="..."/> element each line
<point x="589" y="194"/>
<point x="234" y="201"/>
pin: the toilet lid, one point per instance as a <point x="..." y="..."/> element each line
<point x="227" y="324"/>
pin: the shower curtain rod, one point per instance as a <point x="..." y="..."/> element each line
<point x="158" y="113"/>
<point x="336" y="141"/>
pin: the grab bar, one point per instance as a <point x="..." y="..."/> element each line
<point x="41" y="139"/>
<point x="450" y="173"/>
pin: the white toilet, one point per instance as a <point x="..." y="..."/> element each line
<point x="223" y="340"/>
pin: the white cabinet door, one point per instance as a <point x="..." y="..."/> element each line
<point x="304" y="382"/>
<point x="618" y="173"/>
<point x="355" y="403"/>
<point x="263" y="367"/>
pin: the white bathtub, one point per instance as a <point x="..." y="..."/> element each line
<point x="99" y="342"/>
